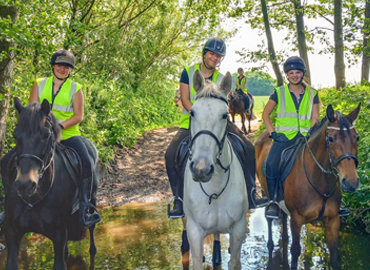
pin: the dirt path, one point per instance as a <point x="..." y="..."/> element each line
<point x="139" y="173"/>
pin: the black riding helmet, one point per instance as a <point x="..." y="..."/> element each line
<point x="63" y="57"/>
<point x="295" y="62"/>
<point x="214" y="45"/>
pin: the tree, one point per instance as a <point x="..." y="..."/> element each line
<point x="365" y="68"/>
<point x="8" y="16"/>
<point x="339" y="66"/>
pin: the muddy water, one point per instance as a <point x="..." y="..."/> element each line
<point x="140" y="236"/>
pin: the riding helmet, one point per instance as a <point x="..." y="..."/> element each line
<point x="63" y="57"/>
<point x="295" y="62"/>
<point x="216" y="45"/>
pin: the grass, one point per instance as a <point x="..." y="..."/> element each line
<point x="259" y="104"/>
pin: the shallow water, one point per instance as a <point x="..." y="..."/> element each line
<point x="140" y="236"/>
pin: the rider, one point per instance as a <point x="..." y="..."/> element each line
<point x="293" y="98"/>
<point x="67" y="104"/>
<point x="241" y="88"/>
<point x="213" y="53"/>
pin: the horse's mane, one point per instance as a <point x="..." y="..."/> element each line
<point x="32" y="120"/>
<point x="343" y="121"/>
<point x="210" y="89"/>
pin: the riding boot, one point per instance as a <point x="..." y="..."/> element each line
<point x="87" y="219"/>
<point x="273" y="209"/>
<point x="177" y="191"/>
<point x="247" y="104"/>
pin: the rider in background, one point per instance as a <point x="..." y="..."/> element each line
<point x="213" y="53"/>
<point x="241" y="88"/>
<point x="294" y="101"/>
<point x="67" y="103"/>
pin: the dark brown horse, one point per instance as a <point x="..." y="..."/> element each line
<point x="40" y="187"/>
<point x="236" y="106"/>
<point x="324" y="167"/>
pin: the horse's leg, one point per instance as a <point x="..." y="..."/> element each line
<point x="270" y="242"/>
<point x="285" y="236"/>
<point x="13" y="241"/>
<point x="216" y="258"/>
<point x="196" y="238"/>
<point x="59" y="240"/>
<point x="185" y="247"/>
<point x="332" y="227"/>
<point x="295" y="249"/>
<point x="236" y="239"/>
<point x="249" y="117"/>
<point x="243" y="124"/>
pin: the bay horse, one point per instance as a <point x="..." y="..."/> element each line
<point x="40" y="187"/>
<point x="215" y="194"/>
<point x="236" y="106"/>
<point x="324" y="167"/>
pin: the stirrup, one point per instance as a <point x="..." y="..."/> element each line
<point x="343" y="211"/>
<point x="263" y="200"/>
<point x="279" y="210"/>
<point x="169" y="208"/>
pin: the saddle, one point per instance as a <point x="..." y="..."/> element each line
<point x="240" y="150"/>
<point x="287" y="160"/>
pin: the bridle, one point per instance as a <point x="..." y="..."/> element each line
<point x="44" y="162"/>
<point x="220" y="144"/>
<point x="333" y="163"/>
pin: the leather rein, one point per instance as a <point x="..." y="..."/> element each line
<point x="332" y="171"/>
<point x="46" y="162"/>
<point x="220" y="145"/>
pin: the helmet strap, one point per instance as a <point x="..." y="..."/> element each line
<point x="60" y="79"/>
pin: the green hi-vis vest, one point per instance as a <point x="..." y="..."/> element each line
<point x="63" y="102"/>
<point x="288" y="120"/>
<point x="239" y="85"/>
<point x="216" y="78"/>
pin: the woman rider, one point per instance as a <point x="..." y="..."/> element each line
<point x="241" y="88"/>
<point x="67" y="103"/>
<point x="213" y="52"/>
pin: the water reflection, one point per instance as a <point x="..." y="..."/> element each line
<point x="140" y="236"/>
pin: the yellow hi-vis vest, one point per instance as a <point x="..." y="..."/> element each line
<point x="216" y="78"/>
<point x="239" y="85"/>
<point x="288" y="120"/>
<point x="63" y="102"/>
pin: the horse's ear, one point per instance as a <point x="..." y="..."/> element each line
<point x="198" y="81"/>
<point x="330" y="114"/>
<point x="355" y="112"/>
<point x="226" y="83"/>
<point x="45" y="107"/>
<point x="18" y="104"/>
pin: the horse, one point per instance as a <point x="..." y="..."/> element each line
<point x="324" y="167"/>
<point x="215" y="194"/>
<point x="41" y="187"/>
<point x="236" y="106"/>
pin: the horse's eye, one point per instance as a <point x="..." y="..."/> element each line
<point x="358" y="138"/>
<point x="192" y="113"/>
<point x="225" y="116"/>
<point x="331" y="139"/>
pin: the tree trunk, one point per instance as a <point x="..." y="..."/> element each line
<point x="365" y="69"/>
<point x="270" y="44"/>
<point x="6" y="73"/>
<point x="339" y="66"/>
<point x="301" y="35"/>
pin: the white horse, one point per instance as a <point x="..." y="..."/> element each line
<point x="215" y="194"/>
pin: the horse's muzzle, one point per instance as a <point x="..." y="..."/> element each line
<point x="350" y="186"/>
<point x="25" y="188"/>
<point x="201" y="172"/>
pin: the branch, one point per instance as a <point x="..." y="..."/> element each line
<point x="321" y="15"/>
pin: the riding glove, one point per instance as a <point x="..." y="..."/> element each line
<point x="279" y="137"/>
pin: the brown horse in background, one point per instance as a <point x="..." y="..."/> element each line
<point x="236" y="106"/>
<point x="324" y="167"/>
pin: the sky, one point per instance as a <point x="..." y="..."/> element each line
<point x="321" y="66"/>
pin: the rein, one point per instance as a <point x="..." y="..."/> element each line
<point x="45" y="164"/>
<point x="333" y="163"/>
<point x="220" y="145"/>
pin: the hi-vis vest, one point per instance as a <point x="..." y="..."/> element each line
<point x="239" y="85"/>
<point x="63" y="102"/>
<point x="216" y="78"/>
<point x="288" y="120"/>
